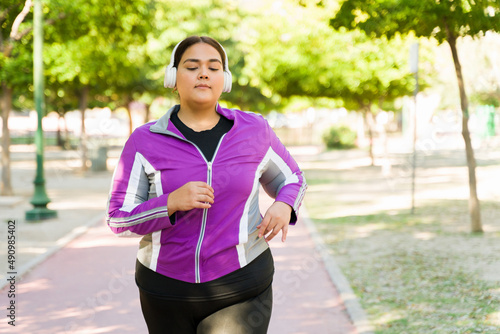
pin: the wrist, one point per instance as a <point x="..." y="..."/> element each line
<point x="171" y="207"/>
<point x="285" y="205"/>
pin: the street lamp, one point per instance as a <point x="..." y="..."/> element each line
<point x="40" y="198"/>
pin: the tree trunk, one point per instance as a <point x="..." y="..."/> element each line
<point x="130" y="121"/>
<point x="147" y="113"/>
<point x="474" y="207"/>
<point x="63" y="133"/>
<point x="60" y="140"/>
<point x="67" y="138"/>
<point x="83" y="103"/>
<point x="370" y="123"/>
<point x="6" y="106"/>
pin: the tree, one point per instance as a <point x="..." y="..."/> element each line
<point x="16" y="68"/>
<point x="93" y="54"/>
<point x="375" y="73"/>
<point x="16" y="64"/>
<point x="314" y="62"/>
<point x="443" y="20"/>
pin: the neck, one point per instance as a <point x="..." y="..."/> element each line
<point x="199" y="119"/>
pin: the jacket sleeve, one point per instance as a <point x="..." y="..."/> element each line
<point x="282" y="178"/>
<point x="130" y="211"/>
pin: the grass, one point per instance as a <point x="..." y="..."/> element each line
<point x="413" y="273"/>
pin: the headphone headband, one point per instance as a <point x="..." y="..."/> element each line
<point x="171" y="72"/>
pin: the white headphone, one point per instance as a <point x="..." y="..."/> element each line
<point x="171" y="72"/>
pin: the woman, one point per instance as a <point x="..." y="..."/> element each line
<point x="188" y="185"/>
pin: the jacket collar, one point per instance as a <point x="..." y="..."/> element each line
<point x="161" y="126"/>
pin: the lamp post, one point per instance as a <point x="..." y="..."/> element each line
<point x="40" y="198"/>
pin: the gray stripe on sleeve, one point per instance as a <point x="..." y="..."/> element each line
<point x="141" y="193"/>
<point x="273" y="179"/>
<point x="139" y="218"/>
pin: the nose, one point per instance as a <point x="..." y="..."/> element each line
<point x="203" y="73"/>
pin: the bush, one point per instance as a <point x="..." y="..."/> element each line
<point x="340" y="137"/>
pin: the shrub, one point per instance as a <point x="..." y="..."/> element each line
<point x="340" y="137"/>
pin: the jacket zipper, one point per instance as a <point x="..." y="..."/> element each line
<point x="203" y="227"/>
<point x="205" y="213"/>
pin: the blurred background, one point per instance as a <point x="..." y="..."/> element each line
<point x="104" y="63"/>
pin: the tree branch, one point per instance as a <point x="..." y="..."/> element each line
<point x="7" y="47"/>
<point x="6" y="11"/>
<point x="48" y="23"/>
<point x="14" y="33"/>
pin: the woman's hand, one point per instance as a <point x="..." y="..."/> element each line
<point x="276" y="218"/>
<point x="192" y="195"/>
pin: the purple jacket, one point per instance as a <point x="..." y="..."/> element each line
<point x="201" y="244"/>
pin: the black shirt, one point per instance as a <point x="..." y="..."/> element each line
<point x="206" y="140"/>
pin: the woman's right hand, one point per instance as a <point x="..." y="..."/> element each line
<point x="192" y="195"/>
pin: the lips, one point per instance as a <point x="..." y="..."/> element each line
<point x="202" y="86"/>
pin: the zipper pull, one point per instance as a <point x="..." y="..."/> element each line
<point x="209" y="173"/>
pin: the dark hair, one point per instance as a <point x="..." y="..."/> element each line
<point x="185" y="44"/>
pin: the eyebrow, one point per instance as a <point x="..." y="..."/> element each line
<point x="214" y="60"/>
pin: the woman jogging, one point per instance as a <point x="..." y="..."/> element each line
<point x="188" y="185"/>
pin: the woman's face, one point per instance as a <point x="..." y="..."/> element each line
<point x="200" y="75"/>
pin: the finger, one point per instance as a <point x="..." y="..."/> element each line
<point x="206" y="199"/>
<point x="272" y="229"/>
<point x="275" y="227"/>
<point x="273" y="233"/>
<point x="206" y="191"/>
<point x="284" y="233"/>
<point x="205" y="186"/>
<point x="263" y="225"/>
<point x="209" y="193"/>
<point x="202" y="205"/>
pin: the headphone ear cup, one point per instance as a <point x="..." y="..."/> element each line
<point x="228" y="82"/>
<point x="170" y="77"/>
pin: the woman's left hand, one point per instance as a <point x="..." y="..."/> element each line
<point x="276" y="218"/>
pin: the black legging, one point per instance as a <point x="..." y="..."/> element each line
<point x="238" y="303"/>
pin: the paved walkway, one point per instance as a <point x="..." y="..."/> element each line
<point x="75" y="276"/>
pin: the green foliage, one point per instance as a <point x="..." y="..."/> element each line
<point x="103" y="50"/>
<point x="426" y="18"/>
<point x="316" y="62"/>
<point x="487" y="98"/>
<point x="120" y="49"/>
<point x="16" y="65"/>
<point x="340" y="137"/>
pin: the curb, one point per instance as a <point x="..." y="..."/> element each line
<point x="351" y="303"/>
<point x="60" y="243"/>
